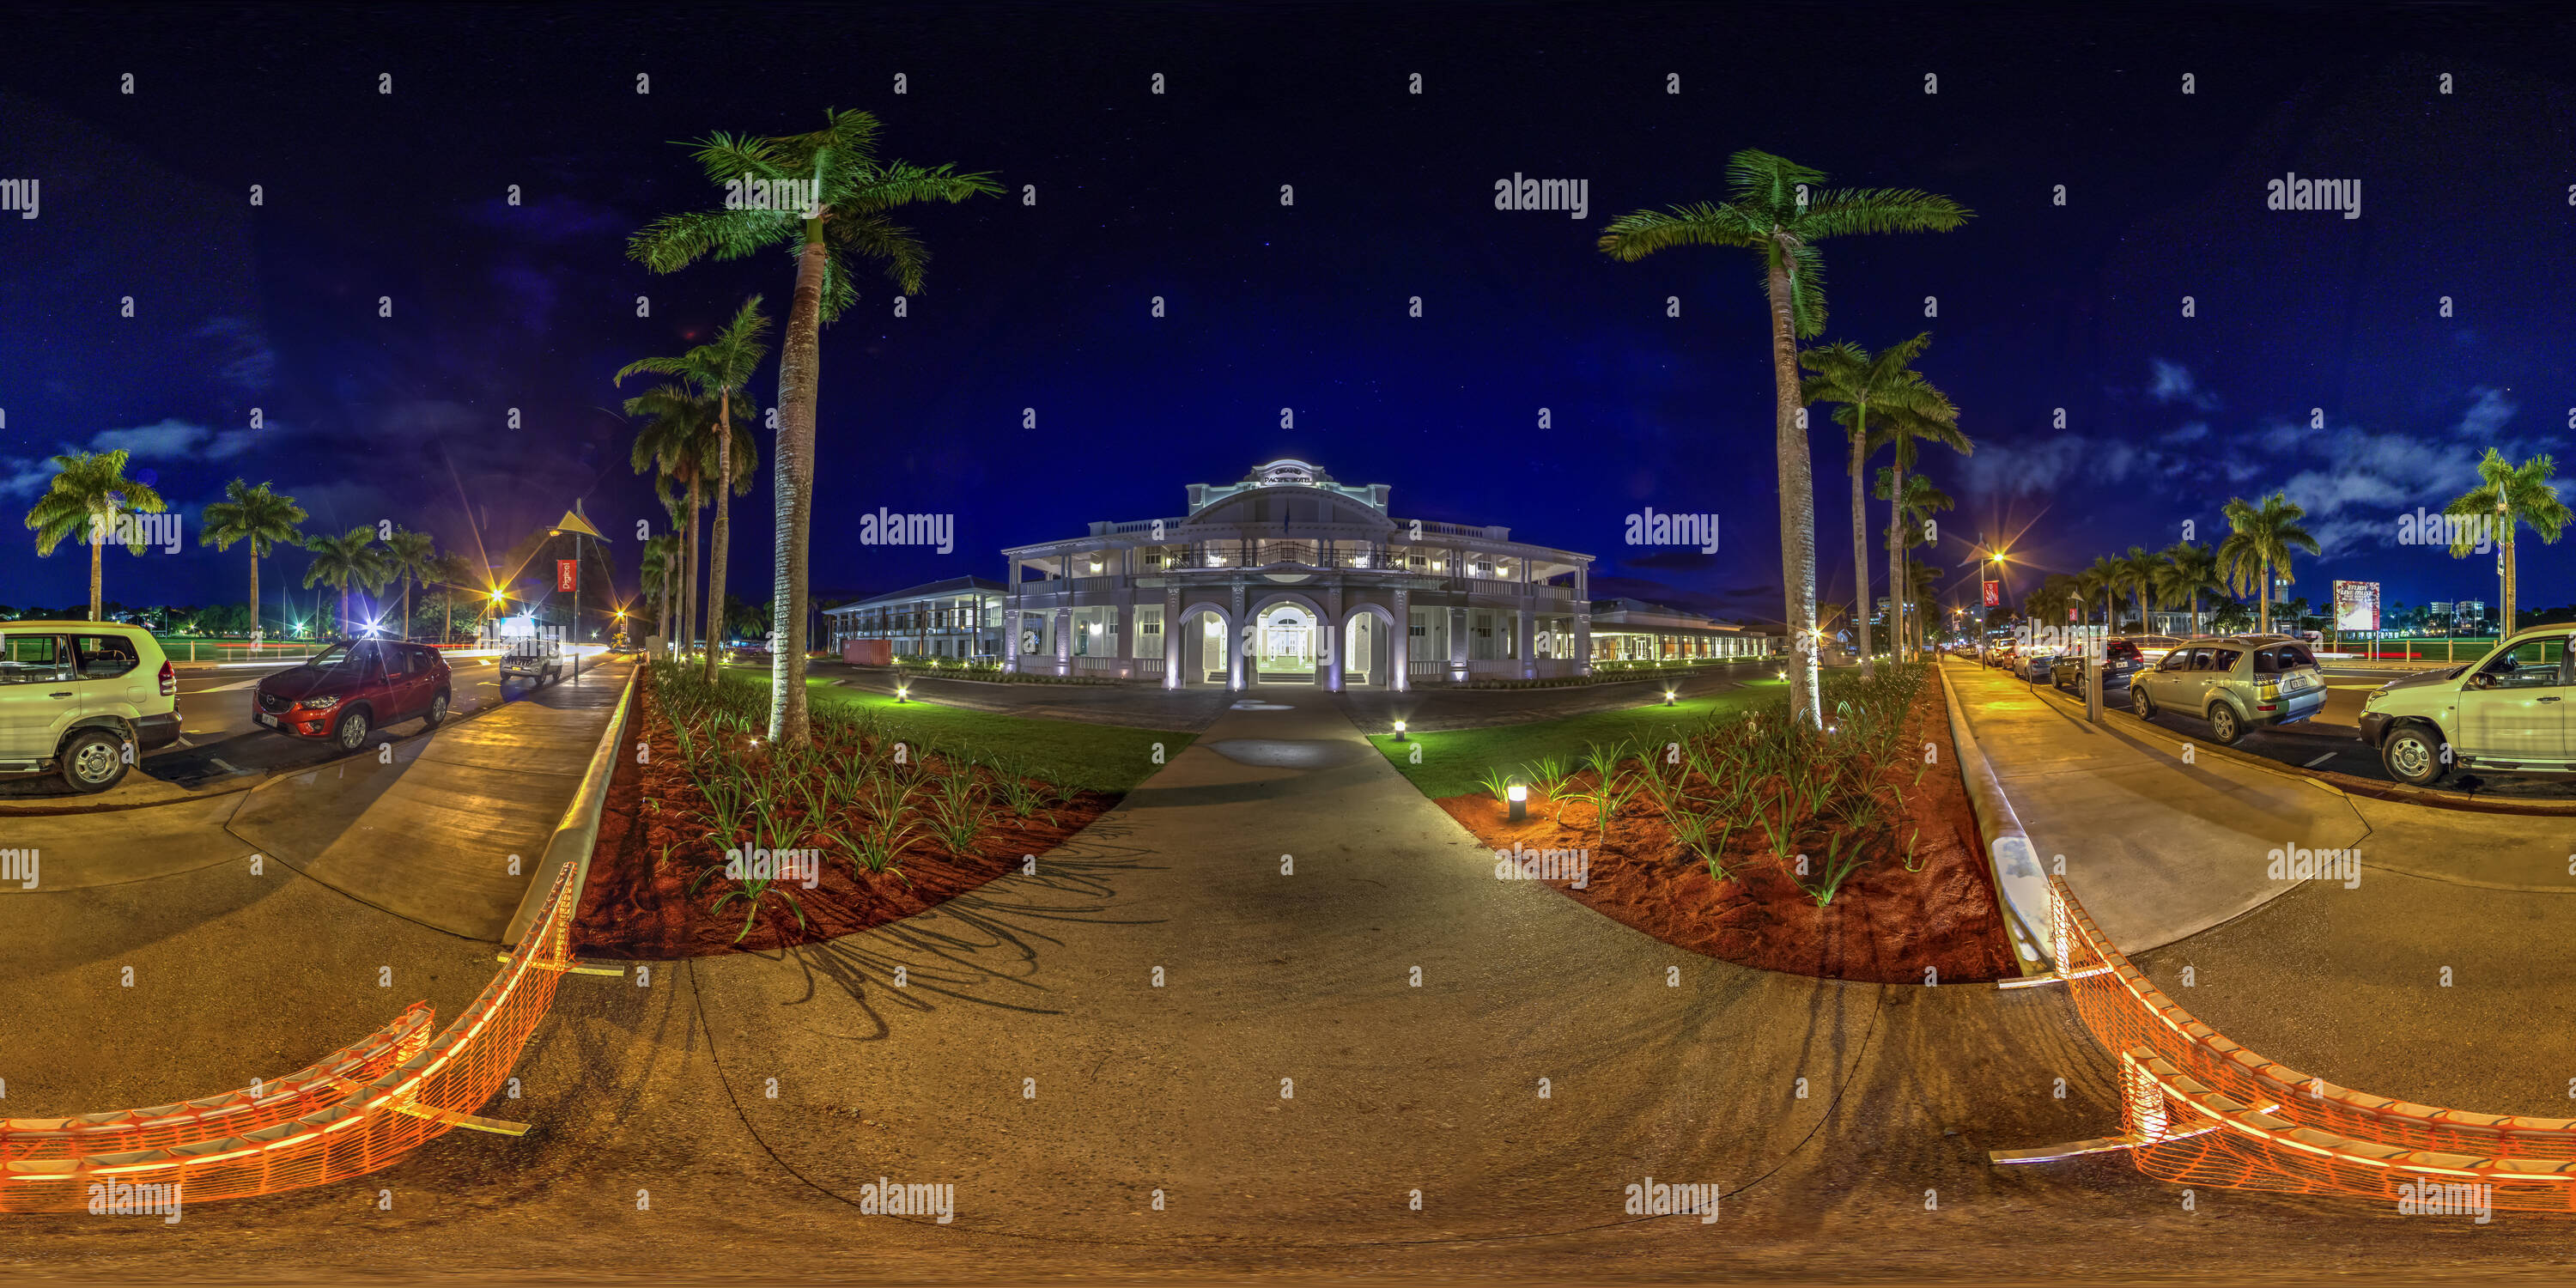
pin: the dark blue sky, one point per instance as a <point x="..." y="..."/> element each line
<point x="1046" y="306"/>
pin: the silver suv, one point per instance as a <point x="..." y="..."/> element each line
<point x="2505" y="711"/>
<point x="2235" y="682"/>
<point x="83" y="699"/>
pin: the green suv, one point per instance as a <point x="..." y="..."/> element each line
<point x="83" y="700"/>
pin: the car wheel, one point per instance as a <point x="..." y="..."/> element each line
<point x="352" y="732"/>
<point x="93" y="761"/>
<point x="2413" y="756"/>
<point x="437" y="710"/>
<point x="2224" y="727"/>
<point x="2142" y="704"/>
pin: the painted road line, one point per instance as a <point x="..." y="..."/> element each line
<point x="2320" y="760"/>
<point x="227" y="688"/>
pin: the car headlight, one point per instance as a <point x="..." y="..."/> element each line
<point x="320" y="704"/>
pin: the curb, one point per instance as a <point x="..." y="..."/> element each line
<point x="2021" y="887"/>
<point x="578" y="833"/>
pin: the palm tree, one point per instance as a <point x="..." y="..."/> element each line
<point x="1848" y="374"/>
<point x="2059" y="590"/>
<point x="2261" y="538"/>
<point x="2187" y="570"/>
<point x="450" y="573"/>
<point x="407" y="555"/>
<point x="2229" y="615"/>
<point x="88" y="491"/>
<point x="853" y="190"/>
<point x="1781" y="209"/>
<point x="1905" y="520"/>
<point x="678" y="443"/>
<point x="719" y="369"/>
<point x="2509" y="496"/>
<point x="2138" y="579"/>
<point x="2103" y="579"/>
<point x="1905" y="424"/>
<point x="661" y="572"/>
<point x="337" y="561"/>
<point x="258" y="516"/>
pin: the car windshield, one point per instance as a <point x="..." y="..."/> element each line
<point x="343" y="654"/>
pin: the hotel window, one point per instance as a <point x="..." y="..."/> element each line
<point x="1149" y="631"/>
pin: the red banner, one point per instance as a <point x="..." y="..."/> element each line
<point x="2070" y="612"/>
<point x="1994" y="594"/>
<point x="565" y="571"/>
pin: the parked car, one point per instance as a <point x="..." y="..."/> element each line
<point x="532" y="659"/>
<point x="2506" y="711"/>
<point x="2122" y="659"/>
<point x="2000" y="652"/>
<point x="83" y="700"/>
<point x="352" y="687"/>
<point x="2235" y="682"/>
<point x="2035" y="663"/>
<point x="2154" y="647"/>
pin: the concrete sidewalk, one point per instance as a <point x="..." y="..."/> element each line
<point x="2158" y="849"/>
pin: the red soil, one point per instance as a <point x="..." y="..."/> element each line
<point x="637" y="906"/>
<point x="1884" y="925"/>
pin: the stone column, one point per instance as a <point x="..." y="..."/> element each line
<point x="1461" y="620"/>
<point x="1521" y="638"/>
<point x="1171" y="637"/>
<point x="1582" y="619"/>
<point x="1234" y="640"/>
<point x="1335" y="641"/>
<point x="1064" y="641"/>
<point x="1011" y="640"/>
<point x="1400" y="653"/>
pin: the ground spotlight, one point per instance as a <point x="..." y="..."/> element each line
<point x="1399" y="731"/>
<point x="1518" y="794"/>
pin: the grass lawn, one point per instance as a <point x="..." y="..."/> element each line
<point x="1070" y="753"/>
<point x="1453" y="761"/>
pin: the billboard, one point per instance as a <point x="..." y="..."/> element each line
<point x="2356" y="605"/>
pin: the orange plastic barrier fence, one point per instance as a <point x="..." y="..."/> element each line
<point x="262" y="1104"/>
<point x="2200" y="1109"/>
<point x="429" y="1088"/>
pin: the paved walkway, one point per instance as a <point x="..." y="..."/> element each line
<point x="1028" y="1058"/>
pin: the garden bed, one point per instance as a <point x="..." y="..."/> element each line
<point x="891" y="838"/>
<point x="1850" y="800"/>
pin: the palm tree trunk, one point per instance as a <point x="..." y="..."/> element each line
<point x="342" y="625"/>
<point x="2263" y="601"/>
<point x="2511" y="579"/>
<point x="1898" y="573"/>
<point x="406" y="621"/>
<point x="689" y="573"/>
<point x="97" y="548"/>
<point x="254" y="589"/>
<point x="799" y="381"/>
<point x="721" y="542"/>
<point x="1797" y="501"/>
<point x="1860" y="539"/>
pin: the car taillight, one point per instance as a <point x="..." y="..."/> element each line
<point x="169" y="681"/>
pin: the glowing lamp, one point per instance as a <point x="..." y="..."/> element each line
<point x="902" y="693"/>
<point x="1399" y="731"/>
<point x="1668" y="697"/>
<point x="1518" y="795"/>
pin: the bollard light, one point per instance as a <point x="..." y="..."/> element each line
<point x="900" y="692"/>
<point x="1518" y="794"/>
<point x="1399" y="731"/>
<point x="1668" y="697"/>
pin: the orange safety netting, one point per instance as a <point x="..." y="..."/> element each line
<point x="2205" y="1110"/>
<point x="359" y="1110"/>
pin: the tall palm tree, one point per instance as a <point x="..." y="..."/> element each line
<point x="1921" y="501"/>
<point x="678" y="443"/>
<point x="88" y="492"/>
<point x="258" y="516"/>
<point x="2138" y="580"/>
<point x="661" y="572"/>
<point x="2185" y="571"/>
<point x="1905" y="424"/>
<point x="2059" y="591"/>
<point x="1782" y="210"/>
<point x="451" y="573"/>
<point x="2510" y="496"/>
<point x="410" y="555"/>
<point x="2103" y="579"/>
<point x="720" y="369"/>
<point x="350" y="557"/>
<point x="853" y="192"/>
<point x="2261" y="537"/>
<point x="1850" y="375"/>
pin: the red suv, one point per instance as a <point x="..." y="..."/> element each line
<point x="353" y="686"/>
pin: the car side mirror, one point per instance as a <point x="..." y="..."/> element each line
<point x="2482" y="680"/>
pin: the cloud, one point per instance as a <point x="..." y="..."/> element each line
<point x="243" y="357"/>
<point x="2173" y="383"/>
<point x="169" y="438"/>
<point x="2043" y="466"/>
<point x="2486" y="415"/>
<point x="2191" y="432"/>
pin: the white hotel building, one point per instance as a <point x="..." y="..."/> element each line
<point x="1288" y="577"/>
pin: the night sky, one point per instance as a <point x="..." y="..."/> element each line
<point x="1046" y="306"/>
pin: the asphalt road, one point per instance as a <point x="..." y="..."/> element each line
<point x="218" y="740"/>
<point x="2331" y="739"/>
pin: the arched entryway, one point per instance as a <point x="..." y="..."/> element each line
<point x="1369" y="650"/>
<point x="1288" y="641"/>
<point x="1200" y="637"/>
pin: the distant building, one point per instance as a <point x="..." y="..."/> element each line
<point x="1632" y="630"/>
<point x="957" y="618"/>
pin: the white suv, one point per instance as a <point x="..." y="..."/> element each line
<point x="83" y="699"/>
<point x="2505" y="711"/>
